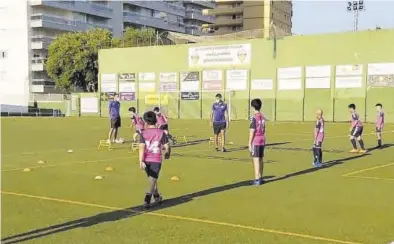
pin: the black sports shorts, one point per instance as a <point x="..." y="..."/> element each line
<point x="357" y="131"/>
<point x="115" y="123"/>
<point x="257" y="151"/>
<point x="218" y="127"/>
<point x="152" y="169"/>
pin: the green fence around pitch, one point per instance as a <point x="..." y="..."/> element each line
<point x="358" y="48"/>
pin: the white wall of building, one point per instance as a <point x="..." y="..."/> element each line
<point x="15" y="65"/>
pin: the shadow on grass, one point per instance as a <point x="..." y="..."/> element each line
<point x="138" y="210"/>
<point x="119" y="214"/>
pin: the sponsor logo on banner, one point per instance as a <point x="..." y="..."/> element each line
<point x="381" y="75"/>
<point x="234" y="54"/>
<point x="155" y="99"/>
<point x="127" y="77"/>
<point x="168" y="82"/>
<point x="127" y="96"/>
<point x="190" y="81"/>
<point x="212" y="80"/>
<point x="190" y="95"/>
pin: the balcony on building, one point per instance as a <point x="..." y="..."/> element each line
<point x="153" y="22"/>
<point x="226" y="11"/>
<point x="197" y="15"/>
<point x="88" y="7"/>
<point x="38" y="64"/>
<point x="227" y="22"/>
<point x="41" y="42"/>
<point x="206" y="4"/>
<point x="58" y="23"/>
<point x="159" y="6"/>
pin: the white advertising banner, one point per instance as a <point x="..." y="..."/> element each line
<point x="262" y="84"/>
<point x="147" y="87"/>
<point x="212" y="75"/>
<point x="318" y="71"/>
<point x="289" y="73"/>
<point x="89" y="105"/>
<point x="150" y="76"/>
<point x="237" y="80"/>
<point x="126" y="86"/>
<point x="108" y="82"/>
<point x="234" y="54"/>
<point x="381" y="69"/>
<point x="190" y="82"/>
<point x="168" y="77"/>
<point x="349" y="82"/>
<point x="289" y="84"/>
<point x="318" y="83"/>
<point x="349" y="70"/>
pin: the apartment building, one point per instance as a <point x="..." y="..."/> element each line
<point x="49" y="18"/>
<point x="238" y="15"/>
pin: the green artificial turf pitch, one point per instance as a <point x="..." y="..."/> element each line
<point x="351" y="200"/>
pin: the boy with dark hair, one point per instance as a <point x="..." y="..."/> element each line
<point x="152" y="140"/>
<point x="319" y="137"/>
<point x="162" y="122"/>
<point x="137" y="122"/>
<point x="257" y="141"/>
<point x="379" y="123"/>
<point x="356" y="130"/>
<point x="219" y="121"/>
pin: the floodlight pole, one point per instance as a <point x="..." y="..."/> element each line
<point x="355" y="7"/>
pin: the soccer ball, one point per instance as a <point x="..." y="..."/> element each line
<point x="121" y="140"/>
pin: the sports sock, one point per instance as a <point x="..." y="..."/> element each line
<point x="320" y="155"/>
<point x="380" y="142"/>
<point x="148" y="197"/>
<point x="315" y="156"/>
<point x="354" y="144"/>
<point x="361" y="142"/>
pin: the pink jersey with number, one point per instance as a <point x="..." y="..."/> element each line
<point x="161" y="119"/>
<point x="154" y="139"/>
<point x="319" y="130"/>
<point x="258" y="125"/>
<point x="356" y="120"/>
<point x="138" y="122"/>
<point x="380" y="120"/>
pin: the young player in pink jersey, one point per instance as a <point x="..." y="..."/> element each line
<point x="257" y="141"/>
<point x="162" y="123"/>
<point x="379" y="123"/>
<point x="319" y="138"/>
<point x="152" y="140"/>
<point x="356" y="130"/>
<point x="137" y="122"/>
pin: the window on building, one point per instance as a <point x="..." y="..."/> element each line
<point x="234" y="28"/>
<point x="3" y="54"/>
<point x="216" y="28"/>
<point x="239" y="16"/>
<point x="234" y="16"/>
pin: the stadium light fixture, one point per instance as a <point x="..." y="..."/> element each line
<point x="355" y="7"/>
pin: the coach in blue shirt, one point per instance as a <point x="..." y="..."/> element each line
<point x="219" y="121"/>
<point x="114" y="114"/>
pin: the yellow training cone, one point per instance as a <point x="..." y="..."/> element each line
<point x="109" y="169"/>
<point x="26" y="170"/>
<point x="175" y="178"/>
<point x="99" y="177"/>
<point x="41" y="162"/>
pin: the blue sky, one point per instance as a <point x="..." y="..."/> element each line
<point x="323" y="16"/>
